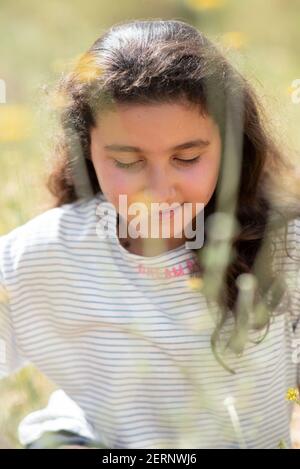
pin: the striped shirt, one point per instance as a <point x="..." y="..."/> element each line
<point x="128" y="340"/>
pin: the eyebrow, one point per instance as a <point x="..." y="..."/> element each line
<point x="181" y="146"/>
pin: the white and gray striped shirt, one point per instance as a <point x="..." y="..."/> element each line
<point x="128" y="340"/>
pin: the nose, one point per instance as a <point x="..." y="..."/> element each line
<point x="160" y="187"/>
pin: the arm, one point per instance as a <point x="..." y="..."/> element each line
<point x="61" y="423"/>
<point x="11" y="358"/>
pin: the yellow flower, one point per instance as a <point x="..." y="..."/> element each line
<point x="292" y="394"/>
<point x="234" y="39"/>
<point x="87" y="69"/>
<point x="195" y="283"/>
<point x="16" y="123"/>
<point x="205" y="4"/>
<point x="144" y="198"/>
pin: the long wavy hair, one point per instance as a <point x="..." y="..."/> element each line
<point x="156" y="61"/>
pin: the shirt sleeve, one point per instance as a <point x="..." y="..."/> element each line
<point x="11" y="358"/>
<point x="296" y="324"/>
<point x="62" y="415"/>
<point x="293" y="273"/>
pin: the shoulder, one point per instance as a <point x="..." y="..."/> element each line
<point x="286" y="243"/>
<point x="286" y="261"/>
<point x="58" y="227"/>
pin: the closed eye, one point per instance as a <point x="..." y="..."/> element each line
<point x="191" y="161"/>
<point x="119" y="164"/>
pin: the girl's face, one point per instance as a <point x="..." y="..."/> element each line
<point x="159" y="152"/>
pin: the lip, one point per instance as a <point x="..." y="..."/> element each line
<point x="169" y="213"/>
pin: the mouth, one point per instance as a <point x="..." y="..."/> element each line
<point x="169" y="213"/>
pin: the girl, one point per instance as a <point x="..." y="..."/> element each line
<point x="159" y="342"/>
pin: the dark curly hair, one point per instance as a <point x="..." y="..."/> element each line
<point x="156" y="61"/>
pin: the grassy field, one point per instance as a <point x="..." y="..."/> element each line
<point x="38" y="41"/>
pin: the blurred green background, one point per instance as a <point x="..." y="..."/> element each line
<point x="40" y="40"/>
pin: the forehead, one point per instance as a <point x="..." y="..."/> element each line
<point x="154" y="126"/>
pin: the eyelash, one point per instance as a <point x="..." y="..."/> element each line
<point x="131" y="165"/>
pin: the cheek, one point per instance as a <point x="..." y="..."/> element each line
<point x="113" y="182"/>
<point x="201" y="182"/>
